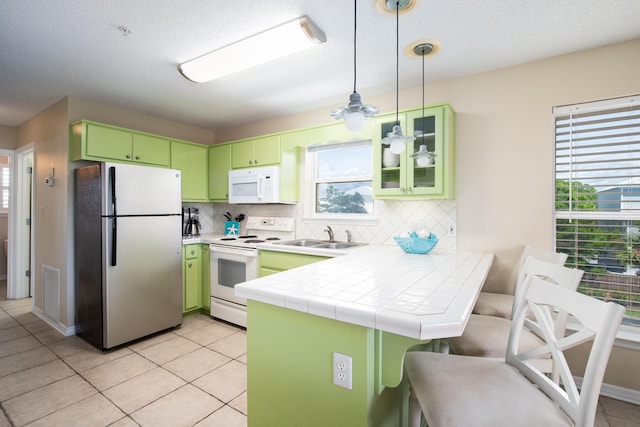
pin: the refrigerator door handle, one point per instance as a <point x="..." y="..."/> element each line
<point x="114" y="239"/>
<point x="114" y="224"/>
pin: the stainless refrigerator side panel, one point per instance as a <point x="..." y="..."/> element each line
<point x="143" y="291"/>
<point x="143" y="190"/>
<point x="87" y="254"/>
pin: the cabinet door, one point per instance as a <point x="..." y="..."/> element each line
<point x="109" y="143"/>
<point x="191" y="159"/>
<point x="435" y="129"/>
<point x="267" y="150"/>
<point x="219" y="165"/>
<point x="192" y="270"/>
<point x="272" y="262"/>
<point x="389" y="176"/>
<point x="151" y="150"/>
<point x="428" y="130"/>
<point x="242" y="154"/>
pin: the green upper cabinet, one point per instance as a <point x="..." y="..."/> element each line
<point x="256" y="152"/>
<point x="219" y="166"/>
<point x="100" y="142"/>
<point x="400" y="176"/>
<point x="192" y="160"/>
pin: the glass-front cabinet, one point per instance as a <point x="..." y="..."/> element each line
<point x="425" y="169"/>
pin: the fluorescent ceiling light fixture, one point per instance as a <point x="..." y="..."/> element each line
<point x="286" y="39"/>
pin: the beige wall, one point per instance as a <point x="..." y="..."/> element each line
<point x="505" y="156"/>
<point x="8" y="138"/>
<point x="48" y="131"/>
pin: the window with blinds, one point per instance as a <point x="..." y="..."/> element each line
<point x="597" y="197"/>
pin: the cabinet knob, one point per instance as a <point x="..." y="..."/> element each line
<point x="128" y="156"/>
<point x="137" y="157"/>
<point x="255" y="161"/>
<point x="190" y="264"/>
<point x="193" y="251"/>
<point x="250" y="162"/>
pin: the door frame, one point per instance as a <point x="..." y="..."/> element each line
<point x="18" y="239"/>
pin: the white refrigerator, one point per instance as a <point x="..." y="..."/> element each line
<point x="127" y="252"/>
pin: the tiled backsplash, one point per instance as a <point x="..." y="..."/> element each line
<point x="394" y="217"/>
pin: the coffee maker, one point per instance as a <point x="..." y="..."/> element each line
<point x="190" y="222"/>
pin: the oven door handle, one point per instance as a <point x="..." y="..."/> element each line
<point x="215" y="249"/>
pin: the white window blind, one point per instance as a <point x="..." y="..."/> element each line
<point x="597" y="197"/>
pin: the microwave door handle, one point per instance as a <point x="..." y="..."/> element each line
<point x="260" y="189"/>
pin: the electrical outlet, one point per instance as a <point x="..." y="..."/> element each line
<point x="342" y="370"/>
<point x="452" y="230"/>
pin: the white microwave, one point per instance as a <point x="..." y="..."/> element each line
<point x="255" y="185"/>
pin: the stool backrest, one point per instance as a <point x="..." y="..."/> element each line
<point x="599" y="321"/>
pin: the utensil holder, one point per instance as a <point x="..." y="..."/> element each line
<point x="232" y="228"/>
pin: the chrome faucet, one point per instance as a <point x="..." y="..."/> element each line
<point x="348" y="236"/>
<point x="332" y="238"/>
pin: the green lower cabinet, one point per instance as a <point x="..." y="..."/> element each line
<point x="196" y="293"/>
<point x="192" y="160"/>
<point x="272" y="262"/>
<point x="191" y="279"/>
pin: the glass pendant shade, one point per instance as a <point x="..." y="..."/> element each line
<point x="354" y="121"/>
<point x="396" y="140"/>
<point x="354" y="113"/>
<point x="424" y="157"/>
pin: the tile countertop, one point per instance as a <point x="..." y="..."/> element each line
<point x="381" y="287"/>
<point x="203" y="238"/>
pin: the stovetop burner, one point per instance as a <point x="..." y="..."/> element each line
<point x="259" y="230"/>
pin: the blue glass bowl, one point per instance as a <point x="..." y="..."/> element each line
<point x="415" y="244"/>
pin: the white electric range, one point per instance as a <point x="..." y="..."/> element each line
<point x="234" y="259"/>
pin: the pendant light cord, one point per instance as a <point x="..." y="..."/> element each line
<point x="423" y="126"/>
<point x="397" y="56"/>
<point x="355" y="28"/>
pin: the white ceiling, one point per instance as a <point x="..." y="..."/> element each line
<point x="53" y="48"/>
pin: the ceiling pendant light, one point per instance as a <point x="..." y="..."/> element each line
<point x="277" y="42"/>
<point x="395" y="139"/>
<point x="422" y="156"/>
<point x="355" y="112"/>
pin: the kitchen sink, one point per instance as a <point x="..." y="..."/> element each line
<point x="337" y="245"/>
<point x="300" y="242"/>
<point x="319" y="244"/>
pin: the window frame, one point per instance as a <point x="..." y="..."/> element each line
<point x="311" y="173"/>
<point x="5" y="172"/>
<point x="583" y="166"/>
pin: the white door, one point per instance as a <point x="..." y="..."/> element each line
<point x="19" y="268"/>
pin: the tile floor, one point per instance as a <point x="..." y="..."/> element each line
<point x="191" y="376"/>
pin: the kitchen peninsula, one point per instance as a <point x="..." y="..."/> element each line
<point x="370" y="305"/>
